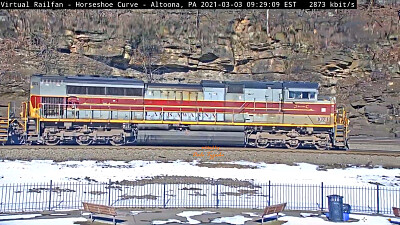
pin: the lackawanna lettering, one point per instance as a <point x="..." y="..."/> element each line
<point x="165" y="5"/>
<point x="14" y="4"/>
<point x="48" y="4"/>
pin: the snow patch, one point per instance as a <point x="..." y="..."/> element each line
<point x="251" y="214"/>
<point x="166" y="221"/>
<point x="94" y="171"/>
<point x="58" y="221"/>
<point x="363" y="220"/>
<point x="18" y="217"/>
<point x="189" y="214"/>
<point x="232" y="220"/>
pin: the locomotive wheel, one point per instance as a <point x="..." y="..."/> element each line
<point x="263" y="144"/>
<point x="117" y="140"/>
<point x="293" y="144"/>
<point x="322" y="146"/>
<point x="52" y="140"/>
<point x="84" y="140"/>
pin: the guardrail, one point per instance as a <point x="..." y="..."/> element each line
<point x="211" y="194"/>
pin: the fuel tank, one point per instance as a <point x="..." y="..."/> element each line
<point x="153" y="126"/>
<point x="190" y="138"/>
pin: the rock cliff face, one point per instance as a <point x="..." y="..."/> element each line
<point x="354" y="54"/>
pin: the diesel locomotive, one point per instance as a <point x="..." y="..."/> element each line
<point x="88" y="110"/>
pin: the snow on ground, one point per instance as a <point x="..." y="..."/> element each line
<point x="186" y="214"/>
<point x="395" y="220"/>
<point x="239" y="219"/>
<point x="251" y="214"/>
<point x="189" y="214"/>
<point x="363" y="220"/>
<point x="166" y="221"/>
<point x="134" y="213"/>
<point x="58" y="221"/>
<point x="16" y="217"/>
<point x="28" y="171"/>
<point x="232" y="220"/>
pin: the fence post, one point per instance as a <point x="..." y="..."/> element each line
<point x="109" y="192"/>
<point x="269" y="192"/>
<point x="377" y="198"/>
<point x="217" y="196"/>
<point x="51" y="189"/>
<point x="322" y="196"/>
<point x="164" y="201"/>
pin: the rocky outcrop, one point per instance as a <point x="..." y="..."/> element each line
<point x="354" y="55"/>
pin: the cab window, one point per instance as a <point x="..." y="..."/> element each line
<point x="301" y="95"/>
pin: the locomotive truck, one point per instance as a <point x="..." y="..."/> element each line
<point x="89" y="110"/>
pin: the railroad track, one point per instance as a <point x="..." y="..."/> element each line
<point x="370" y="152"/>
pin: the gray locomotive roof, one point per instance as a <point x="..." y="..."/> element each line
<point x="258" y="84"/>
<point x="276" y="84"/>
<point x="212" y="83"/>
<point x="161" y="85"/>
<point x="92" y="79"/>
<point x="308" y="85"/>
<point x="204" y="83"/>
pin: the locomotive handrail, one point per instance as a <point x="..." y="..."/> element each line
<point x="172" y="106"/>
<point x="26" y="117"/>
<point x="130" y="106"/>
<point x="242" y="107"/>
<point x="112" y="109"/>
<point x="63" y="108"/>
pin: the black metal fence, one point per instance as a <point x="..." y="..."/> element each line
<point x="234" y="194"/>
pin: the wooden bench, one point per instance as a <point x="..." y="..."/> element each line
<point x="99" y="209"/>
<point x="273" y="209"/>
<point x="396" y="211"/>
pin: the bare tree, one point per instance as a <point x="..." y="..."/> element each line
<point x="150" y="55"/>
<point x="146" y="47"/>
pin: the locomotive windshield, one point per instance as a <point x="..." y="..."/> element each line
<point x="302" y="95"/>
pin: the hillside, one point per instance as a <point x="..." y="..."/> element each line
<point x="354" y="54"/>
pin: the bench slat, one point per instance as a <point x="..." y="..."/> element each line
<point x="274" y="209"/>
<point x="100" y="209"/>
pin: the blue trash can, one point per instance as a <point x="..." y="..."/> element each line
<point x="346" y="216"/>
<point x="346" y="208"/>
<point x="335" y="206"/>
<point x="346" y="212"/>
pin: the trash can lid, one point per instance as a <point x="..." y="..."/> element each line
<point x="335" y="198"/>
